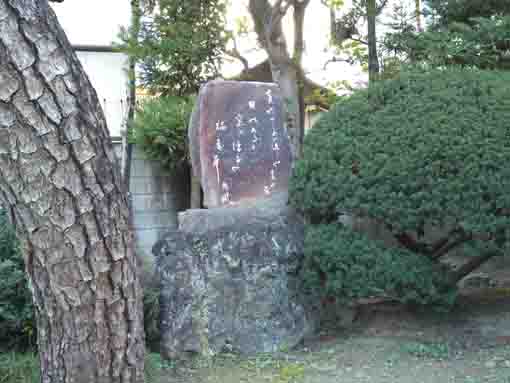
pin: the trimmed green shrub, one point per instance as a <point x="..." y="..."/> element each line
<point x="362" y="269"/>
<point x="426" y="150"/>
<point x="17" y="323"/>
<point x="160" y="129"/>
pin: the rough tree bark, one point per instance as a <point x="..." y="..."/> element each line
<point x="64" y="195"/>
<point x="286" y="70"/>
<point x="299" y="48"/>
<point x="373" y="59"/>
<point x="195" y="191"/>
<point x="134" y="31"/>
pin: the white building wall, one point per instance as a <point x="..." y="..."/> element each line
<point x="107" y="72"/>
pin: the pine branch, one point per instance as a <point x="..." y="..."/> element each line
<point x="470" y="266"/>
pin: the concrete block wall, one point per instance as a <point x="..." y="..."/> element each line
<point x="156" y="197"/>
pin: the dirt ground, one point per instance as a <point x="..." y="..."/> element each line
<point x="386" y="344"/>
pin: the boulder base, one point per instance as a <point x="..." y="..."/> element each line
<point x="229" y="281"/>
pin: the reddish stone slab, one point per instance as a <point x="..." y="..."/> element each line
<point x="239" y="146"/>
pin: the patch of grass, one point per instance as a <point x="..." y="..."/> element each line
<point x="257" y="368"/>
<point x="154" y="365"/>
<point x="151" y="317"/>
<point x="290" y="372"/>
<point x="24" y="367"/>
<point x="439" y="351"/>
<point x="19" y="368"/>
<point x="282" y="371"/>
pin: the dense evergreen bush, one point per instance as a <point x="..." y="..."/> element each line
<point x="17" y="324"/>
<point x="429" y="149"/>
<point x="361" y="268"/>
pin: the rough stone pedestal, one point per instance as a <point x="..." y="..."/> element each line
<point x="228" y="281"/>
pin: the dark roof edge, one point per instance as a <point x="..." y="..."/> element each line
<point x="96" y="48"/>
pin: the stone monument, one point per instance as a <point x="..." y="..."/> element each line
<point x="238" y="144"/>
<point x="229" y="273"/>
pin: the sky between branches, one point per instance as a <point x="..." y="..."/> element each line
<point x="97" y="22"/>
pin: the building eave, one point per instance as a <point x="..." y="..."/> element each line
<point x="96" y="48"/>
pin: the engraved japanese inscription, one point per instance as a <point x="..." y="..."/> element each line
<point x="244" y="148"/>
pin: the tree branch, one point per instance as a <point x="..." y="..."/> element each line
<point x="259" y="10"/>
<point x="359" y="40"/>
<point x="237" y="55"/>
<point x="277" y="13"/>
<point x="337" y="60"/>
<point x="299" y="19"/>
<point x="436" y="246"/>
<point x="411" y="244"/>
<point x="470" y="266"/>
<point x="380" y="8"/>
<point x="446" y="247"/>
<point x="344" y="28"/>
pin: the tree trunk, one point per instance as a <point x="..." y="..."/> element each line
<point x="297" y="58"/>
<point x="62" y="189"/>
<point x="287" y="77"/>
<point x="418" y="15"/>
<point x="134" y="31"/>
<point x="195" y="192"/>
<point x="284" y="69"/>
<point x="373" y="60"/>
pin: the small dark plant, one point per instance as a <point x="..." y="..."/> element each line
<point x="160" y="129"/>
<point x="19" y="368"/>
<point x="439" y="351"/>
<point x="151" y="317"/>
<point x="17" y="323"/>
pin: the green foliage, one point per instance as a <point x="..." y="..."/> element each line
<point x="17" y="324"/>
<point x="471" y="33"/>
<point x="178" y="47"/>
<point x="428" y="149"/>
<point x="24" y="368"/>
<point x="19" y="368"/>
<point x="155" y="367"/>
<point x="344" y="264"/>
<point x="446" y="12"/>
<point x="335" y="4"/>
<point x="439" y="351"/>
<point x="160" y="129"/>
<point x="289" y="372"/>
<point x="151" y="317"/>
<point x="484" y="43"/>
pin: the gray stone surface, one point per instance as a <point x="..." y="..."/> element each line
<point x="238" y="143"/>
<point x="228" y="281"/>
